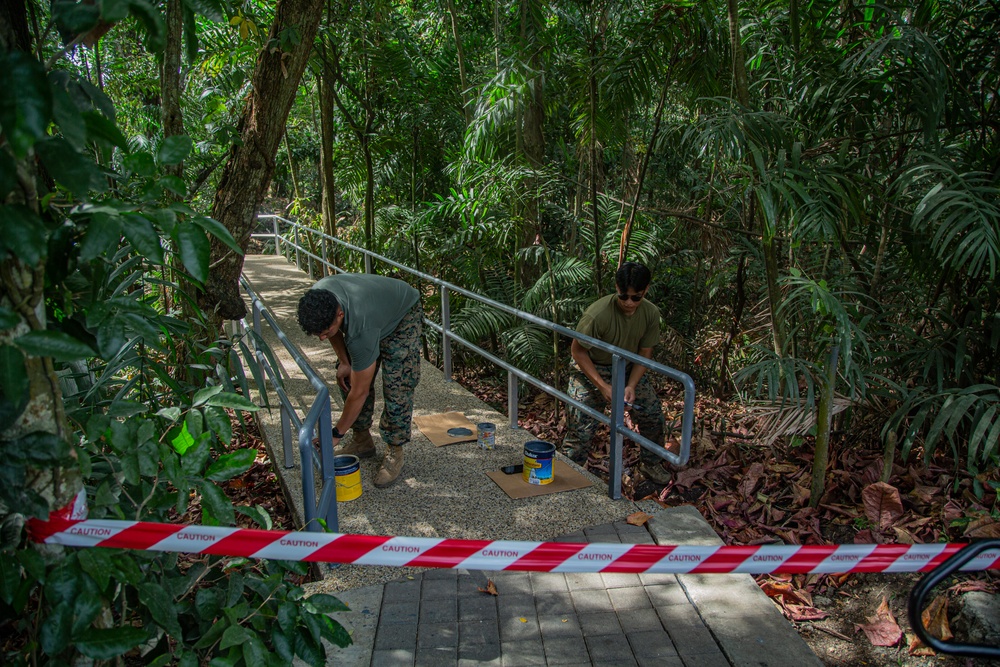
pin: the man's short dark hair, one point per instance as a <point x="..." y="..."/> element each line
<point x="634" y="275"/>
<point x="317" y="310"/>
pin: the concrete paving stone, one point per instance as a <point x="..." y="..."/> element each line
<point x="547" y="582"/>
<point x="440" y="573"/>
<point x="522" y="652"/>
<point x="591" y="601"/>
<point x="600" y="623"/>
<point x="437" y="656"/>
<point x="676" y="661"/>
<point x="514" y="629"/>
<point x="404" y="590"/>
<point x="515" y="605"/>
<point x="437" y="635"/>
<point x="578" y="581"/>
<point x="437" y="588"/>
<point x="620" y="579"/>
<point x="565" y="650"/>
<point x="665" y="595"/>
<point x="393" y="658"/>
<point x="512" y="582"/>
<point x="443" y="610"/>
<point x="396" y="636"/>
<point x="469" y="584"/>
<point x="471" y="633"/>
<point x="480" y="650"/>
<point x="640" y="620"/>
<point x="610" y="648"/>
<point x="475" y="662"/>
<point x="651" y="644"/>
<point x="554" y="603"/>
<point x="657" y="579"/>
<point x="692" y="638"/>
<point x="679" y="614"/>
<point x="630" y="534"/>
<point x="714" y="659"/>
<point x="629" y="598"/>
<point x="482" y="608"/>
<point x="578" y="536"/>
<point x="399" y="612"/>
<point x="603" y="533"/>
<point x="560" y="626"/>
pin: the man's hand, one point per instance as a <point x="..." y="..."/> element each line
<point x="605" y="391"/>
<point x="629" y="394"/>
<point x="344" y="376"/>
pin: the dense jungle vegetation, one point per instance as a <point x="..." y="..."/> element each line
<point x="814" y="186"/>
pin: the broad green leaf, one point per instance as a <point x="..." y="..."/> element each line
<point x="126" y="409"/>
<point x="326" y="604"/>
<point x="113" y="11"/>
<point x="211" y="9"/>
<point x="217" y="421"/>
<point x="96" y="563"/>
<point x="13" y="384"/>
<point x="230" y="465"/>
<point x="282" y="644"/>
<point x="39" y="448"/>
<point x="218" y="230"/>
<point x="55" y="344"/>
<point x="194" y="462"/>
<point x="255" y="654"/>
<point x="109" y="643"/>
<point x="10" y="577"/>
<point x="55" y="631"/>
<point x="170" y="414"/>
<point x="71" y="169"/>
<point x="26" y="114"/>
<point x="258" y="514"/>
<point x="140" y="164"/>
<point x="216" y="504"/>
<point x="307" y="648"/>
<point x="233" y="636"/>
<point x="208" y="603"/>
<point x="183" y="440"/>
<point x="101" y="127"/>
<point x="140" y="233"/>
<point x="66" y="113"/>
<point x="194" y="249"/>
<point x="111" y="337"/>
<point x="8" y="318"/>
<point x="8" y="174"/>
<point x="174" y="149"/>
<point x="234" y="401"/>
<point x="161" y="606"/>
<point x="23" y="234"/>
<point x="86" y="606"/>
<point x="334" y="632"/>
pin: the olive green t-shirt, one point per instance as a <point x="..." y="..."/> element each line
<point x="605" y="321"/>
<point x="373" y="306"/>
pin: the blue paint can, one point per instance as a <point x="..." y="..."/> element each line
<point x="538" y="462"/>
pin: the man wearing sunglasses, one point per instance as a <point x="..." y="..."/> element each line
<point x="371" y="322"/>
<point x="629" y="321"/>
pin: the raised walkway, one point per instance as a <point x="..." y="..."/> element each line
<point x="407" y="616"/>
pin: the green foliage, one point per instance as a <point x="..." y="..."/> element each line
<point x="94" y="220"/>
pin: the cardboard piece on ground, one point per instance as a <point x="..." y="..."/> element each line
<point x="564" y="478"/>
<point x="435" y="428"/>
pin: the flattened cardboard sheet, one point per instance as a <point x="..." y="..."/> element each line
<point x="435" y="428"/>
<point x="564" y="478"/>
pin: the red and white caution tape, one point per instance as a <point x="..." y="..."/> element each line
<point x="502" y="555"/>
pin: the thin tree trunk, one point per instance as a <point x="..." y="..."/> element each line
<point x="460" y="52"/>
<point x="251" y="162"/>
<point x="327" y="137"/>
<point x="292" y="170"/>
<point x="824" y="419"/>
<point x="595" y="209"/>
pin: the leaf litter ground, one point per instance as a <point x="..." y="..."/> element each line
<point x="752" y="494"/>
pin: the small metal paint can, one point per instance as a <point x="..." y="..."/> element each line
<point x="487" y="435"/>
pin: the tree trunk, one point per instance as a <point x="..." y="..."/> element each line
<point x="328" y="135"/>
<point x="466" y="106"/>
<point x="534" y="121"/>
<point x="251" y="163"/>
<point x="291" y="169"/>
<point x="824" y="417"/>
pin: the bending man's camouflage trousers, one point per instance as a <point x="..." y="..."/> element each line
<point x="399" y="360"/>
<point x="581" y="427"/>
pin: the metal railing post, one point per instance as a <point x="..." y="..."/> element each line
<point x="322" y="265"/>
<point x="512" y="399"/>
<point x="368" y="263"/>
<point x="446" y="333"/>
<point x="298" y="249"/>
<point x="277" y="237"/>
<point x="286" y="437"/>
<point x="617" y="423"/>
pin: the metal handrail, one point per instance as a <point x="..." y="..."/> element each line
<point x="620" y="358"/>
<point x="915" y="604"/>
<point x="317" y="418"/>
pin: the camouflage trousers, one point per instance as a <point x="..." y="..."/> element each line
<point x="399" y="361"/>
<point x="581" y="427"/>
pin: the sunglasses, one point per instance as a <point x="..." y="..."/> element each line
<point x="634" y="297"/>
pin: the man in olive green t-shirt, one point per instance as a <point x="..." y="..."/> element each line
<point x="626" y="320"/>
<point x="371" y="322"/>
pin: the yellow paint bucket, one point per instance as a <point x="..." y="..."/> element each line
<point x="347" y="470"/>
<point x="538" y="462"/>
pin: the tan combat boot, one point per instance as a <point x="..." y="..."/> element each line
<point x="392" y="465"/>
<point x="360" y="444"/>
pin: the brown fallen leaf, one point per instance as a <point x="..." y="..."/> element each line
<point x="491" y="588"/>
<point x="917" y="647"/>
<point x="985" y="528"/>
<point x="638" y="518"/>
<point x="935" y="618"/>
<point x="881" y="629"/>
<point x="799" y="612"/>
<point x="786" y="592"/>
<point x="882" y="504"/>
